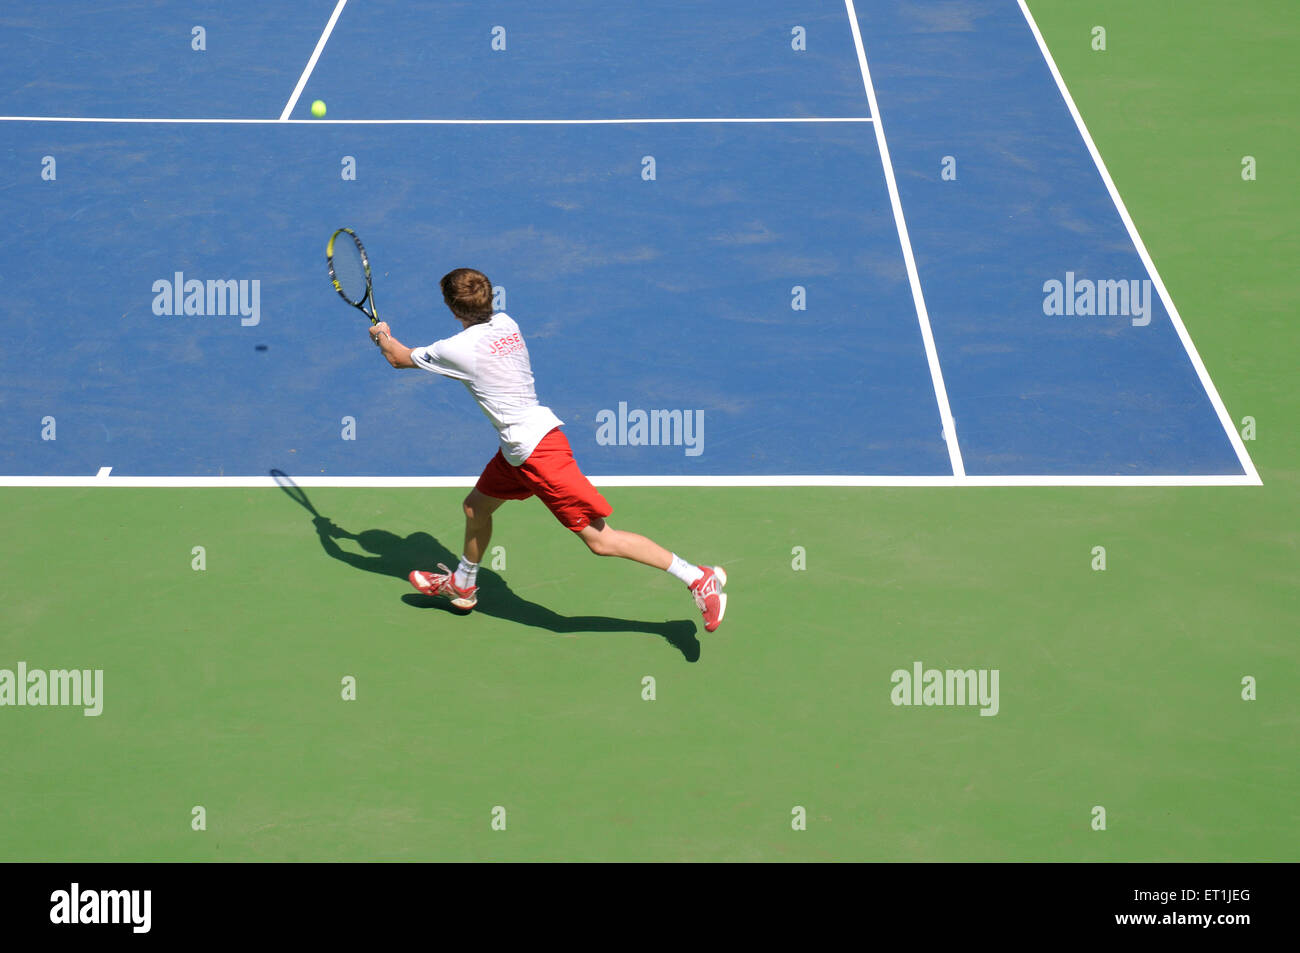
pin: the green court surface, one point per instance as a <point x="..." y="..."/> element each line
<point x="1119" y="689"/>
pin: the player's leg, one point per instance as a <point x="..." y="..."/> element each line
<point x="554" y="475"/>
<point x="704" y="582"/>
<point x="478" y="507"/>
<point x="497" y="484"/>
<point x="604" y="540"/>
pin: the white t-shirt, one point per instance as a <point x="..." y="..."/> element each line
<point x="492" y="361"/>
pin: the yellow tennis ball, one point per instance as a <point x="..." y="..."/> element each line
<point x="318" y="108"/>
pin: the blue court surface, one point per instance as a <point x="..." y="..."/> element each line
<point x="741" y="246"/>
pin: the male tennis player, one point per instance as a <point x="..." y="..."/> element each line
<point x="534" y="458"/>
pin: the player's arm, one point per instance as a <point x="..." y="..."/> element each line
<point x="397" y="353"/>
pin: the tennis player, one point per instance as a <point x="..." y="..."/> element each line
<point x="489" y="356"/>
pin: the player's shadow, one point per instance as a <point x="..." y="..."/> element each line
<point x="389" y="554"/>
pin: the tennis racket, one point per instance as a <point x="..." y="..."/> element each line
<point x="350" y="272"/>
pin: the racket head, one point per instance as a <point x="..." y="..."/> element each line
<point x="295" y="492"/>
<point x="349" y="268"/>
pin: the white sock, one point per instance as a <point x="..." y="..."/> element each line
<point x="466" y="573"/>
<point x="686" y="572"/>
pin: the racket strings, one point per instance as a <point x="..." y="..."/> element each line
<point x="349" y="269"/>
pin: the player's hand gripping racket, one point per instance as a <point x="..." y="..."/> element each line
<point x="350" y="272"/>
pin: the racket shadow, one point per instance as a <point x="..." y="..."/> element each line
<point x="389" y="554"/>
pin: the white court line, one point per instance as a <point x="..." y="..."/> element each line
<point x="815" y="480"/>
<point x="435" y="122"/>
<point x="311" y="63"/>
<point x="918" y="298"/>
<point x="1243" y="457"/>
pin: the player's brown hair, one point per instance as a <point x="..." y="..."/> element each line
<point x="468" y="293"/>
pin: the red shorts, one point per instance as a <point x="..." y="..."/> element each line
<point x="551" y="474"/>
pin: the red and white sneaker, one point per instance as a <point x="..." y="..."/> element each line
<point x="444" y="584"/>
<point x="709" y="596"/>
